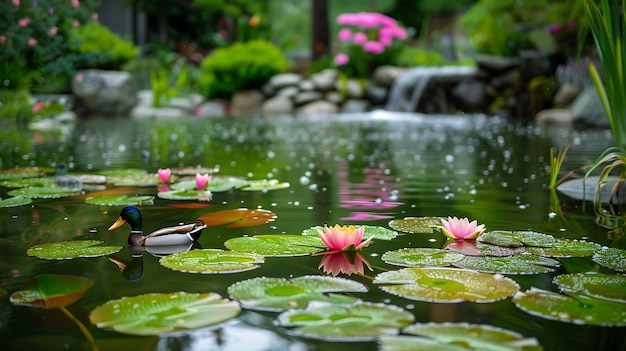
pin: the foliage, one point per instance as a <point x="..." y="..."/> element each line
<point x="106" y="47"/>
<point x="162" y="88"/>
<point x="240" y="66"/>
<point x="411" y="56"/>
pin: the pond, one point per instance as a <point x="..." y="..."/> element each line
<point x="357" y="170"/>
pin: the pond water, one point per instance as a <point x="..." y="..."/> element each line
<point x="351" y="169"/>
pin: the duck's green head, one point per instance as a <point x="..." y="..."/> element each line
<point x="130" y="215"/>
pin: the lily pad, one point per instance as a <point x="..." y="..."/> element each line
<point x="139" y="179"/>
<point x="15" y="201"/>
<point x="612" y="258"/>
<point x="276" y="245"/>
<point x="459" y="336"/>
<point x="357" y="322"/>
<point x="122" y="172"/>
<point x="51" y="192"/>
<point x="416" y="225"/>
<point x="238" y="218"/>
<point x="377" y="232"/>
<point x="477" y="248"/>
<point x="19" y="173"/>
<point x="28" y="182"/>
<point x="217" y="184"/>
<point x="572" y="308"/>
<point x="566" y="248"/>
<point x="118" y="200"/>
<point x="278" y="294"/>
<point x="518" y="264"/>
<point x="265" y="185"/>
<point x="65" y="250"/>
<point x="211" y="261"/>
<point x="189" y="171"/>
<point x="51" y="291"/>
<point x="603" y="286"/>
<point x="196" y="194"/>
<point x="516" y="238"/>
<point x="419" y="257"/>
<point x="155" y="314"/>
<point x="447" y="285"/>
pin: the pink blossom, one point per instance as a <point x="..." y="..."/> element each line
<point x="53" y="31"/>
<point x="32" y="42"/>
<point x="51" y="11"/>
<point x="399" y="33"/>
<point x="3" y="39"/>
<point x="75" y="23"/>
<point x="75" y="3"/>
<point x="16" y="3"/>
<point x="202" y="180"/>
<point x="385" y="41"/>
<point x="344" y="34"/>
<point x="374" y="47"/>
<point x="24" y="22"/>
<point x="79" y="77"/>
<point x="554" y="28"/>
<point x="343" y="238"/>
<point x="341" y="59"/>
<point x="164" y="174"/>
<point x="346" y="19"/>
<point x="456" y="228"/>
<point x="37" y="107"/>
<point x="95" y="16"/>
<point x="359" y="38"/>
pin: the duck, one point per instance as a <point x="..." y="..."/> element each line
<point x="177" y="235"/>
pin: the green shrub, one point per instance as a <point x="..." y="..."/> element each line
<point x="411" y="56"/>
<point x="108" y="48"/>
<point x="240" y="66"/>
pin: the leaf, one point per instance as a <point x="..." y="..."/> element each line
<point x="516" y="238"/>
<point x="210" y="261"/>
<point x="64" y="250"/>
<point x="447" y="285"/>
<point x="155" y="314"/>
<point x="118" y="200"/>
<point x="477" y="248"/>
<point x="357" y="322"/>
<point x="217" y="184"/>
<point x="19" y="173"/>
<point x="377" y="232"/>
<point x="611" y="258"/>
<point x="238" y="218"/>
<point x="51" y="192"/>
<point x="518" y="264"/>
<point x="416" y="225"/>
<point x="278" y="294"/>
<point x="276" y="245"/>
<point x="51" y="291"/>
<point x="202" y="195"/>
<point x="602" y="286"/>
<point x="572" y="308"/>
<point x="15" y="201"/>
<point x="28" y="182"/>
<point x="416" y="257"/>
<point x="566" y="248"/>
<point x="265" y="185"/>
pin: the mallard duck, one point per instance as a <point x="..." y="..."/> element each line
<point x="177" y="235"/>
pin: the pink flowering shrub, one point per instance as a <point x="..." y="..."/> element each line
<point x="367" y="40"/>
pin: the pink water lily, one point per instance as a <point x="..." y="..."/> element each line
<point x="202" y="180"/>
<point x="461" y="229"/>
<point x="164" y="174"/>
<point x="343" y="238"/>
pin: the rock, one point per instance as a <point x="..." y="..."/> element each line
<point x="566" y="94"/>
<point x="554" y="117"/>
<point x="325" y="80"/>
<point x="212" y="108"/>
<point x="306" y="85"/>
<point x="470" y="94"/>
<point x="246" y="103"/>
<point x="505" y="79"/>
<point x="289" y="92"/>
<point x="334" y="96"/>
<point x="386" y="75"/>
<point x="354" y="89"/>
<point x="355" y="106"/>
<point x="306" y="97"/>
<point x="318" y="108"/>
<point x="534" y="63"/>
<point x="285" y="80"/>
<point x="587" y="108"/>
<point x="187" y="103"/>
<point x="496" y="63"/>
<point x="105" y="92"/>
<point x="142" y="111"/>
<point x="278" y="105"/>
<point x="376" y="93"/>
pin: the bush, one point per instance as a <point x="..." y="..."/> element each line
<point x="107" y="48"/>
<point x="240" y="66"/>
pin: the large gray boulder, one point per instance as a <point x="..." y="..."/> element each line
<point x="105" y="92"/>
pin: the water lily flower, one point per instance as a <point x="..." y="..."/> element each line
<point x="456" y="228"/>
<point x="202" y="180"/>
<point x="346" y="262"/>
<point x="164" y="174"/>
<point x="343" y="238"/>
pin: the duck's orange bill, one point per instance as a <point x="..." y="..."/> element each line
<point x="117" y="224"/>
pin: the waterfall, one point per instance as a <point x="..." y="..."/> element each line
<point x="408" y="87"/>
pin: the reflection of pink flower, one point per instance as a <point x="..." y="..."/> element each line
<point x="164" y="188"/>
<point x="32" y="42"/>
<point x="53" y="31"/>
<point x="341" y="59"/>
<point x="344" y="34"/>
<point x="202" y="180"/>
<point x="455" y="228"/>
<point x="343" y="238"/>
<point x="164" y="174"/>
<point x="344" y="262"/>
<point x="24" y="22"/>
<point x="37" y="107"/>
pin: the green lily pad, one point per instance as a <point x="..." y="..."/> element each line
<point x="377" y="232"/>
<point x="357" y="322"/>
<point x="419" y="257"/>
<point x="603" y="286"/>
<point x="15" y="201"/>
<point x="416" y="225"/>
<point x="516" y="238"/>
<point x="477" y="248"/>
<point x="612" y="258"/>
<point x="122" y="172"/>
<point x="447" y="285"/>
<point x="118" y="200"/>
<point x="28" y="182"/>
<point x="238" y="218"/>
<point x="3" y="293"/>
<point x="138" y="179"/>
<point x="155" y="314"/>
<point x="572" y="308"/>
<point x="518" y="264"/>
<point x="459" y="336"/>
<point x="276" y="245"/>
<point x="51" y="192"/>
<point x="566" y="248"/>
<point x="210" y="261"/>
<point x="278" y="294"/>
<point x="51" y="291"/>
<point x="196" y="194"/>
<point x="265" y="185"/>
<point x="19" y="173"/>
<point x="217" y="184"/>
<point x="191" y="171"/>
<point x="65" y="250"/>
